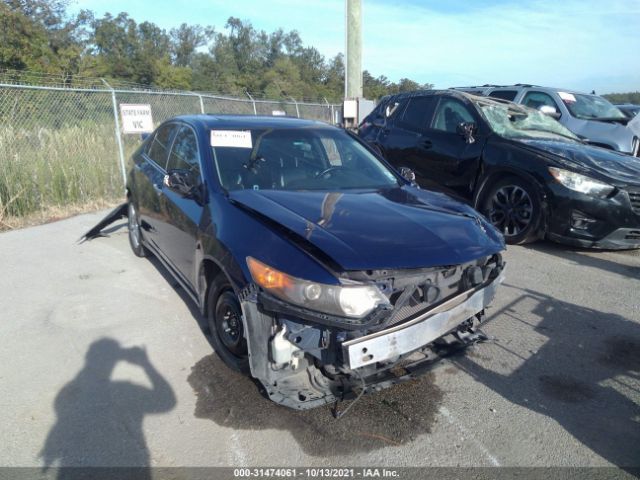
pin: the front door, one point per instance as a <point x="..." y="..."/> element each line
<point x="179" y="234"/>
<point x="449" y="159"/>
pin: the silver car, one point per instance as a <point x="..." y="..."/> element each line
<point x="591" y="117"/>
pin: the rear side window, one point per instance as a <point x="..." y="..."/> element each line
<point x="159" y="146"/>
<point x="536" y="100"/>
<point x="504" y="94"/>
<point x="450" y="114"/>
<point x="417" y="114"/>
<point x="184" y="152"/>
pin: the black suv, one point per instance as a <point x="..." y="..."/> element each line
<point x="317" y="265"/>
<point x="528" y="174"/>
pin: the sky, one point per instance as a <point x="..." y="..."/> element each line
<point x="574" y="44"/>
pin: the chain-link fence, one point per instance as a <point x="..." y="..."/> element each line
<point x="62" y="146"/>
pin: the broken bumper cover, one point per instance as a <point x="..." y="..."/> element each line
<point x="620" y="239"/>
<point x="420" y="331"/>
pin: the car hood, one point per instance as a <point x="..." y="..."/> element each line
<point x="397" y="228"/>
<point x="613" y="167"/>
<point x="603" y="131"/>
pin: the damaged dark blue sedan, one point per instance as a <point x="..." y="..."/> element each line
<point x="318" y="266"/>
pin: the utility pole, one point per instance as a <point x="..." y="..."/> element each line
<point x="353" y="70"/>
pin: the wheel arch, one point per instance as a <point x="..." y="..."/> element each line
<point x="208" y="270"/>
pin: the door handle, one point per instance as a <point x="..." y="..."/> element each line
<point x="426" y="144"/>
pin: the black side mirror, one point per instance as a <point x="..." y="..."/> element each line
<point x="408" y="174"/>
<point x="183" y="182"/>
<point x="466" y="130"/>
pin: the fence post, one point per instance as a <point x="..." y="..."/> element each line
<point x="255" y="112"/>
<point x="296" y="104"/>
<point x="118" y="134"/>
<point x="201" y="102"/>
<point x="330" y="107"/>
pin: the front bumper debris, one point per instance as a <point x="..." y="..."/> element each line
<point x="326" y="363"/>
<point x="420" y="331"/>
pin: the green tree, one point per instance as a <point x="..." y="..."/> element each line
<point x="186" y="39"/>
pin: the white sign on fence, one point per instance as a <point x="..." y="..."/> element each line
<point x="136" y="118"/>
<point x="278" y="113"/>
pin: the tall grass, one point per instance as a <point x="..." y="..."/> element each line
<point x="45" y="168"/>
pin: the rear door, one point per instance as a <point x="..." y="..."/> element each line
<point x="179" y="232"/>
<point x="404" y="140"/>
<point x="149" y="185"/>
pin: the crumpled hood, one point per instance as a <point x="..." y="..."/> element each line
<point x="389" y="229"/>
<point x="613" y="167"/>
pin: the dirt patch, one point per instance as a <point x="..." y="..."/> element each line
<point x="53" y="214"/>
<point x="394" y="416"/>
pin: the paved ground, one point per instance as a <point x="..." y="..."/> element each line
<point x="559" y="384"/>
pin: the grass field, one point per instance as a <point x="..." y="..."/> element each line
<point x="55" y="172"/>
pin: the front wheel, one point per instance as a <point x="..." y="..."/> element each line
<point x="226" y="326"/>
<point x="513" y="206"/>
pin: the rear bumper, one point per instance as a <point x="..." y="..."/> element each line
<point x="420" y="331"/>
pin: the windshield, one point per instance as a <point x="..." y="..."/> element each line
<point x="296" y="159"/>
<point x="590" y="107"/>
<point x="511" y="121"/>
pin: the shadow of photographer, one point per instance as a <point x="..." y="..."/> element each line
<point x="99" y="421"/>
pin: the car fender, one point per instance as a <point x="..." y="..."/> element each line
<point x="492" y="168"/>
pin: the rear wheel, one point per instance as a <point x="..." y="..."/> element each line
<point x="224" y="316"/>
<point x="135" y="232"/>
<point x="513" y="206"/>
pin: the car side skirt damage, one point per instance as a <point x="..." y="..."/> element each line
<point x="116" y="214"/>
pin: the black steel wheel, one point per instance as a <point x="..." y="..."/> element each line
<point x="135" y="232"/>
<point x="224" y="316"/>
<point x="512" y="205"/>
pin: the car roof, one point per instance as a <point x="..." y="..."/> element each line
<point x="217" y="120"/>
<point x="426" y="93"/>
<point x="491" y="88"/>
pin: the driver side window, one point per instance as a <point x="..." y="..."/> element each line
<point x="450" y="114"/>
<point x="536" y="100"/>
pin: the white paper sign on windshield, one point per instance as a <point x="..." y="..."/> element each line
<point x="231" y="138"/>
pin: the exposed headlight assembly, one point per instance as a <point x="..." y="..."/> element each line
<point x="581" y="183"/>
<point x="354" y="301"/>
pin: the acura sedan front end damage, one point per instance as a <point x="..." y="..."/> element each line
<point x="305" y="359"/>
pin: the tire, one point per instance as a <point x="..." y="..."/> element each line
<point x="224" y="317"/>
<point x="135" y="232"/>
<point x="513" y="206"/>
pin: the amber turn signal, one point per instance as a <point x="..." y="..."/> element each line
<point x="267" y="277"/>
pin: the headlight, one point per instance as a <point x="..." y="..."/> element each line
<point x="354" y="301"/>
<point x="581" y="183"/>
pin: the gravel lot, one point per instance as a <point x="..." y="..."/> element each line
<point x="558" y="384"/>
